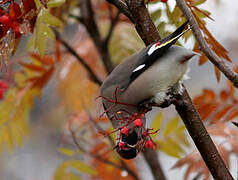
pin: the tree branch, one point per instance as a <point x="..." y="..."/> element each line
<point x="87" y="18"/>
<point x="122" y="7"/>
<point x="184" y="104"/>
<point x="92" y="75"/>
<point x="112" y="26"/>
<point x="201" y="138"/>
<point x="220" y="64"/>
<point x="151" y="158"/>
<point x="123" y="164"/>
<point x="143" y="22"/>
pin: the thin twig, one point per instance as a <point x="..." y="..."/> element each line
<point x="88" y="20"/>
<point x="122" y="7"/>
<point x="98" y="157"/>
<point x="81" y="60"/>
<point x="112" y="26"/>
<point x="124" y="165"/>
<point x="219" y="63"/>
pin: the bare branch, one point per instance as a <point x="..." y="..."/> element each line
<point x="92" y="75"/>
<point x="88" y="19"/>
<point x="184" y="104"/>
<point x="124" y="165"/>
<point x="122" y="7"/>
<point x="219" y="63"/>
<point x="152" y="158"/>
<point x="143" y="22"/>
<point x="200" y="136"/>
<point x="112" y="26"/>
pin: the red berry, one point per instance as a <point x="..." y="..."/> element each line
<point x="1" y="94"/>
<point x="149" y="144"/>
<point x="137" y="123"/>
<point x="145" y="134"/>
<point x="16" y="28"/>
<point x="122" y="145"/>
<point x="125" y="131"/>
<point x="5" y="20"/>
<point x="3" y="85"/>
<point x="164" y="1"/>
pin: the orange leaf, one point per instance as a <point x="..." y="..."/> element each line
<point x="47" y="60"/>
<point x="232" y="115"/>
<point x="98" y="148"/>
<point x="203" y="59"/>
<point x="42" y="80"/>
<point x="218" y="73"/>
<point x="58" y="54"/>
<point x="224" y="95"/>
<point x="33" y="67"/>
<point x="222" y="113"/>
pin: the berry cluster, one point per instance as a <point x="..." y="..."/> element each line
<point x="129" y="122"/>
<point x="11" y="19"/>
<point x="3" y="88"/>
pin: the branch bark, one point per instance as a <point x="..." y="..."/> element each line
<point x="143" y="23"/>
<point x="151" y="158"/>
<point x="184" y="104"/>
<point x="201" y="138"/>
<point x="122" y="7"/>
<point x="219" y="63"/>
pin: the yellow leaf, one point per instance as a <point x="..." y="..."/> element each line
<point x="167" y="148"/>
<point x="55" y="3"/>
<point x="82" y="167"/>
<point x="171" y="126"/>
<point x="66" y="151"/>
<point x="157" y="121"/>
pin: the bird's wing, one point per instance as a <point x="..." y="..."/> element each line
<point x="155" y="51"/>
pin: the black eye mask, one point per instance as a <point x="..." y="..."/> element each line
<point x="131" y="138"/>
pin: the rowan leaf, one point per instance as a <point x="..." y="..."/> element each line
<point x="66" y="151"/>
<point x="82" y="167"/>
<point x="157" y="121"/>
<point x="55" y="3"/>
<point x="171" y="126"/>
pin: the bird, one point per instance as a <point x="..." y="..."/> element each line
<point x="150" y="76"/>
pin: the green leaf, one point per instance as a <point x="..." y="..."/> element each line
<point x="82" y="167"/>
<point x="50" y="19"/>
<point x="38" y="4"/>
<point x="156" y="15"/>
<point x="198" y="2"/>
<point x="55" y="3"/>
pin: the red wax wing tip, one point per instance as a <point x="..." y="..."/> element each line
<point x="158" y="43"/>
<point x="137" y="123"/>
<point x="164" y="1"/>
<point x="149" y="144"/>
<point x="122" y="145"/>
<point x="125" y="131"/>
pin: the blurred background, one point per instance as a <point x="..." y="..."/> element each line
<point x="68" y="93"/>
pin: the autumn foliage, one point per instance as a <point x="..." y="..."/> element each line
<point x="88" y="139"/>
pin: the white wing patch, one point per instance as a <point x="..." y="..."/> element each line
<point x="152" y="49"/>
<point x="139" y="68"/>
